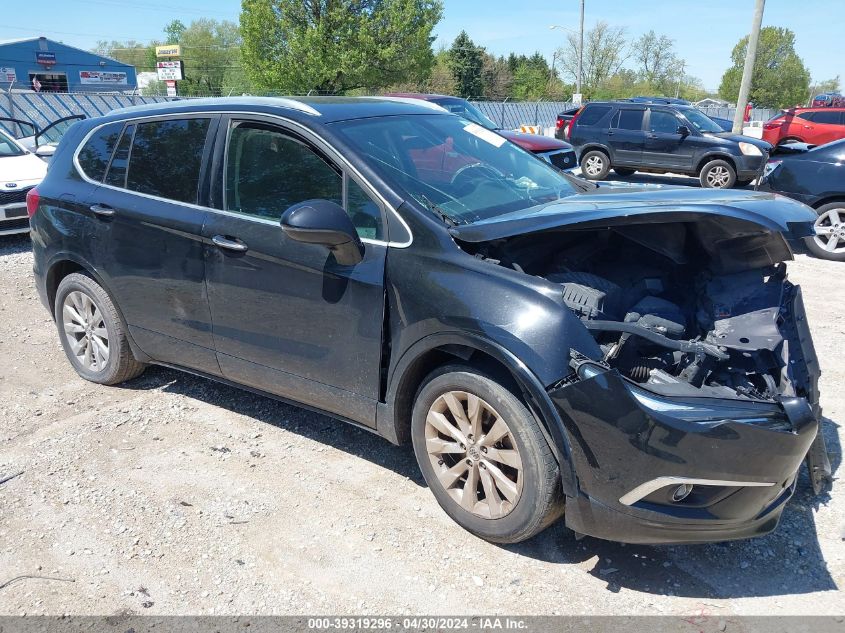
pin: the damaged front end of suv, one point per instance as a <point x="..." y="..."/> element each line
<point x="690" y="417"/>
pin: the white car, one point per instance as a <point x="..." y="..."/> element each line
<point x="20" y="171"/>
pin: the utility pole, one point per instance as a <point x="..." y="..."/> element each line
<point x="748" y="70"/>
<point x="680" y="78"/>
<point x="581" y="53"/>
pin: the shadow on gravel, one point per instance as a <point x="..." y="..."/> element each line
<point x="15" y="244"/>
<point x="314" y="426"/>
<point x="787" y="561"/>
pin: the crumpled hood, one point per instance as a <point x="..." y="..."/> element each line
<point x="607" y="206"/>
<point x="24" y="170"/>
<point x="534" y="142"/>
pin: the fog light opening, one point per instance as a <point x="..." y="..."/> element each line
<point x="681" y="492"/>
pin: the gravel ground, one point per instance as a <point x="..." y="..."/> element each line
<point x="176" y="495"/>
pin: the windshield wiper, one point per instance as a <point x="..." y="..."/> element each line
<point x="434" y="208"/>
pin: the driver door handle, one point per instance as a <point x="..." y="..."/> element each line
<point x="229" y="244"/>
<point x="102" y="210"/>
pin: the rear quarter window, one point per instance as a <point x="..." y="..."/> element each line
<point x="593" y="114"/>
<point x="96" y="152"/>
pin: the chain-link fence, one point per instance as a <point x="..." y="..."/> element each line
<point x="43" y="108"/>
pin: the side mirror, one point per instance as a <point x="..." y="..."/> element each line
<point x="45" y="151"/>
<point x="324" y="222"/>
<point x="683" y="130"/>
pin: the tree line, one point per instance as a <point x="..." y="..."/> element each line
<point x="371" y="46"/>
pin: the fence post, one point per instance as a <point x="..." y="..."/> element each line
<point x="502" y="123"/>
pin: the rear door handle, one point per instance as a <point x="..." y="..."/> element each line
<point x="229" y="244"/>
<point x="102" y="210"/>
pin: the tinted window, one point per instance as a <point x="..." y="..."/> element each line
<point x="116" y="175"/>
<point x="365" y="214"/>
<point x="627" y="119"/>
<point x="268" y="171"/>
<point x="663" y="122"/>
<point x="166" y="158"/>
<point x="8" y="147"/>
<point x="95" y="154"/>
<point x="592" y="114"/>
<point x="827" y="117"/>
<point x="807" y="116"/>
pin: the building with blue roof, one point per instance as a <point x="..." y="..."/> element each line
<point x="44" y="65"/>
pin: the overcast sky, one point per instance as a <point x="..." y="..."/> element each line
<point x="704" y="31"/>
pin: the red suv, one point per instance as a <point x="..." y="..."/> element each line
<point x="815" y="126"/>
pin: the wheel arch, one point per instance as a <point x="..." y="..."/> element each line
<point x="595" y="147"/>
<point x="393" y="419"/>
<point x="828" y="200"/>
<point x="711" y="157"/>
<point x="66" y="264"/>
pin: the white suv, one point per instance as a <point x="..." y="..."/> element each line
<point x="20" y="171"/>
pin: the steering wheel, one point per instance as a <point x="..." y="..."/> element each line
<point x="464" y="176"/>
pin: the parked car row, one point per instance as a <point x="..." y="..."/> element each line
<point x="634" y="360"/>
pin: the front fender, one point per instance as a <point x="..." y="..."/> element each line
<point x="533" y="391"/>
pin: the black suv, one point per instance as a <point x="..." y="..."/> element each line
<point x="631" y="136"/>
<point x="543" y="344"/>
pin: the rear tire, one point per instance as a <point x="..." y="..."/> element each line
<point x="829" y="242"/>
<point x="92" y="333"/>
<point x="717" y="174"/>
<point x="484" y="456"/>
<point x="624" y="171"/>
<point x="595" y="165"/>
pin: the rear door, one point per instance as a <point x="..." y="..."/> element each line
<point x="148" y="237"/>
<point x="827" y="126"/>
<point x="664" y="146"/>
<point x="288" y="319"/>
<point x="626" y="136"/>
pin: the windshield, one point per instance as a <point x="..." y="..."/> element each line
<point x="8" y="147"/>
<point x="454" y="167"/>
<point x="701" y="121"/>
<point x="466" y="110"/>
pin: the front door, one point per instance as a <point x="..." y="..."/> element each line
<point x="664" y="146"/>
<point x="287" y="318"/>
<point x="626" y="136"/>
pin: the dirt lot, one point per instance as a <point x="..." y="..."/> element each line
<point x="176" y="495"/>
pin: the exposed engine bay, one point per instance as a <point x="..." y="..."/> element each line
<point x="675" y="308"/>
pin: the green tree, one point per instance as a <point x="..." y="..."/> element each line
<point x="141" y="56"/>
<point x="780" y="78"/>
<point x="828" y="85"/>
<point x="211" y="52"/>
<point x="605" y="52"/>
<point x="496" y="78"/>
<point x="173" y="32"/>
<point x="333" y="46"/>
<point x="467" y="61"/>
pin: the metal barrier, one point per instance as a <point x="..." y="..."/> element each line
<point x="42" y="108"/>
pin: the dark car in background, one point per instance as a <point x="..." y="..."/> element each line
<point x="557" y="152"/>
<point x="637" y="358"/>
<point x="562" y="123"/>
<point x="815" y="175"/>
<point x="629" y="136"/>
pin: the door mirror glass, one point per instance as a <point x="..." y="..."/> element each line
<point x="683" y="130"/>
<point x="324" y="222"/>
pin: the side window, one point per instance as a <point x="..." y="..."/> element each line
<point x="806" y="116"/>
<point x="116" y="175"/>
<point x="830" y="118"/>
<point x="593" y="114"/>
<point x="95" y="154"/>
<point x="269" y="170"/>
<point x="663" y="122"/>
<point x="627" y="119"/>
<point x="365" y="214"/>
<point x="166" y="157"/>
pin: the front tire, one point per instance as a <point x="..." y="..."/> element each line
<point x="92" y="333"/>
<point x="595" y="165"/>
<point x="484" y="457"/>
<point x="718" y="174"/>
<point x="829" y="241"/>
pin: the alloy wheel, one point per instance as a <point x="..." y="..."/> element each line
<point x="830" y="231"/>
<point x="474" y="454"/>
<point x="593" y="165"/>
<point x="85" y="331"/>
<point x="718" y="177"/>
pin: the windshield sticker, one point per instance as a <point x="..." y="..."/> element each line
<point x="485" y="135"/>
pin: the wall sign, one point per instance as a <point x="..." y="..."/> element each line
<point x="99" y="77"/>
<point x="7" y="75"/>
<point x="45" y="58"/>
<point x="169" y="50"/>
